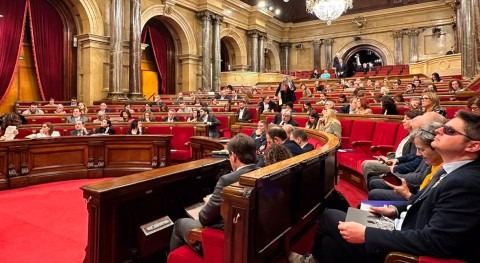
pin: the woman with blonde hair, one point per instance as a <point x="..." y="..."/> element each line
<point x="305" y="91"/>
<point x="82" y="107"/>
<point x="431" y="102"/>
<point x="329" y="123"/>
<point x="363" y="106"/>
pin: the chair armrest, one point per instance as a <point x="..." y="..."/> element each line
<point x="195" y="235"/>
<point x="362" y="143"/>
<point x="187" y="144"/>
<point x="400" y="257"/>
<point x="382" y="149"/>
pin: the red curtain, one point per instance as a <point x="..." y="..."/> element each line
<point x="48" y="50"/>
<point x="159" y="47"/>
<point x="11" y="32"/>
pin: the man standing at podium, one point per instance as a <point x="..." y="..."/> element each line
<point x="242" y="156"/>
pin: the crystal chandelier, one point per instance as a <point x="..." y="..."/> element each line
<point x="328" y="10"/>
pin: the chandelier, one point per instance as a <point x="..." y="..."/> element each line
<point x="328" y="10"/>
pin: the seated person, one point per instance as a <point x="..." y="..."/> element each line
<point x="325" y="75"/>
<point x="33" y="109"/>
<point x="322" y="99"/>
<point x="105" y="128"/>
<point x="148" y="117"/>
<point x="135" y="128"/>
<point x="243" y="114"/>
<point x="171" y="116"/>
<point x="128" y="107"/>
<point x="60" y="109"/>
<point x="82" y="107"/>
<point x="183" y="108"/>
<point x="194" y="117"/>
<point x="100" y="118"/>
<point x="287" y="119"/>
<point x="51" y="103"/>
<point x="329" y="123"/>
<point x="413" y="182"/>
<point x="126" y="116"/>
<point x="242" y="158"/>
<point x="266" y="105"/>
<point x="300" y="137"/>
<point x="147" y="108"/>
<point x="314" y="74"/>
<point x="276" y="153"/>
<point x="73" y="101"/>
<point x="439" y="221"/>
<point x="80" y="129"/>
<point x="76" y="116"/>
<point x="47" y="131"/>
<point x="260" y="136"/>
<point x="103" y="108"/>
<point x="288" y="128"/>
<point x="278" y="135"/>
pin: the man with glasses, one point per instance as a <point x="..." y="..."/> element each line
<point x="242" y="158"/>
<point x="442" y="220"/>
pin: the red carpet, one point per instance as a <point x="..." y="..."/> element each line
<point x="48" y="222"/>
<point x="353" y="195"/>
<point x="44" y="223"/>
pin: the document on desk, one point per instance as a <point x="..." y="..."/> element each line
<point x="369" y="219"/>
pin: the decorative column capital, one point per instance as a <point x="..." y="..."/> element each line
<point x="317" y="42"/>
<point x="205" y="15"/>
<point x="217" y="19"/>
<point x="328" y="41"/>
<point x="254" y="33"/>
<point x="398" y="33"/>
<point x="413" y="32"/>
<point x="262" y="35"/>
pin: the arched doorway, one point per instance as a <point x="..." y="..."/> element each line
<point x="46" y="64"/>
<point x="367" y="54"/>
<point x="158" y="59"/>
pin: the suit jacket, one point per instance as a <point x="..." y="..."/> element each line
<point x="345" y="109"/>
<point x="341" y="68"/>
<point x="293" y="147"/>
<point x="79" y="133"/>
<point x="287" y="95"/>
<point x="71" y="119"/>
<point x="260" y="140"/>
<point x="226" y="97"/>
<point x="261" y="106"/>
<point x="101" y="130"/>
<point x="210" y="213"/>
<point x="175" y="119"/>
<point x="246" y="117"/>
<point x="213" y="127"/>
<point x="445" y="223"/>
<point x="308" y="147"/>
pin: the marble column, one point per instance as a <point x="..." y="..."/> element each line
<point x="135" y="91"/>
<point x="468" y="39"/>
<point x="285" y="57"/>
<point x="206" y="17"/>
<point x="413" y="47"/>
<point x="316" y="54"/>
<point x="457" y="25"/>
<point x="261" y="51"/>
<point x="398" y="46"/>
<point x="476" y="37"/>
<point x="253" y="34"/>
<point x="217" y="20"/>
<point x="116" y="52"/>
<point x="328" y="52"/>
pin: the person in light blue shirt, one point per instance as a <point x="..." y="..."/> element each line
<point x="325" y="75"/>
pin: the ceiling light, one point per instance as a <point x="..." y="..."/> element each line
<point x="328" y="10"/>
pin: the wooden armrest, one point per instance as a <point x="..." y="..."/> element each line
<point x="400" y="257"/>
<point x="195" y="235"/>
<point x="187" y="144"/>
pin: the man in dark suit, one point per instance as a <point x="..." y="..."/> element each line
<point x="223" y="96"/>
<point x="260" y="136"/>
<point x="266" y="105"/>
<point x="171" y="116"/>
<point x="80" y="129"/>
<point x="243" y="114"/>
<point x="242" y="158"/>
<point x="278" y="135"/>
<point x="300" y="137"/>
<point x="441" y="220"/>
<point x="211" y="121"/>
<point x="341" y="69"/>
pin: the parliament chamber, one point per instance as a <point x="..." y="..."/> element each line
<point x="155" y="56"/>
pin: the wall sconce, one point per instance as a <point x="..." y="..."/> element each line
<point x="359" y="21"/>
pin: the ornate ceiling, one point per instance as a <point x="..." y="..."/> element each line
<point x="294" y="10"/>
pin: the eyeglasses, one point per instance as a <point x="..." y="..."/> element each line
<point x="425" y="98"/>
<point x="474" y="108"/>
<point x="450" y="131"/>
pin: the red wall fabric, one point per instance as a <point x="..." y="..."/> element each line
<point x="48" y="48"/>
<point x="11" y="32"/>
<point x="159" y="47"/>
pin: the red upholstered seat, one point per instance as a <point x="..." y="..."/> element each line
<point x="360" y="131"/>
<point x="247" y="131"/>
<point x="156" y="130"/>
<point x="384" y="135"/>
<point x="180" y="146"/>
<point x="224" y="128"/>
<point x="346" y="130"/>
<point x="212" y="245"/>
<point x="301" y="120"/>
<point x="316" y="144"/>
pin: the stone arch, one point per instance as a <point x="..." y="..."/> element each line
<point x="273" y="55"/>
<point x="90" y="18"/>
<point x="234" y="41"/>
<point x="382" y="50"/>
<point x="175" y="21"/>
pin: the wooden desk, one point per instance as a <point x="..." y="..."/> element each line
<point x="117" y="207"/>
<point x="29" y="162"/>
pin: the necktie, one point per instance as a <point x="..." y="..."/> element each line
<point x="437" y="177"/>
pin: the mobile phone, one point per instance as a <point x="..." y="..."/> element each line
<point x="391" y="178"/>
<point x="378" y="158"/>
